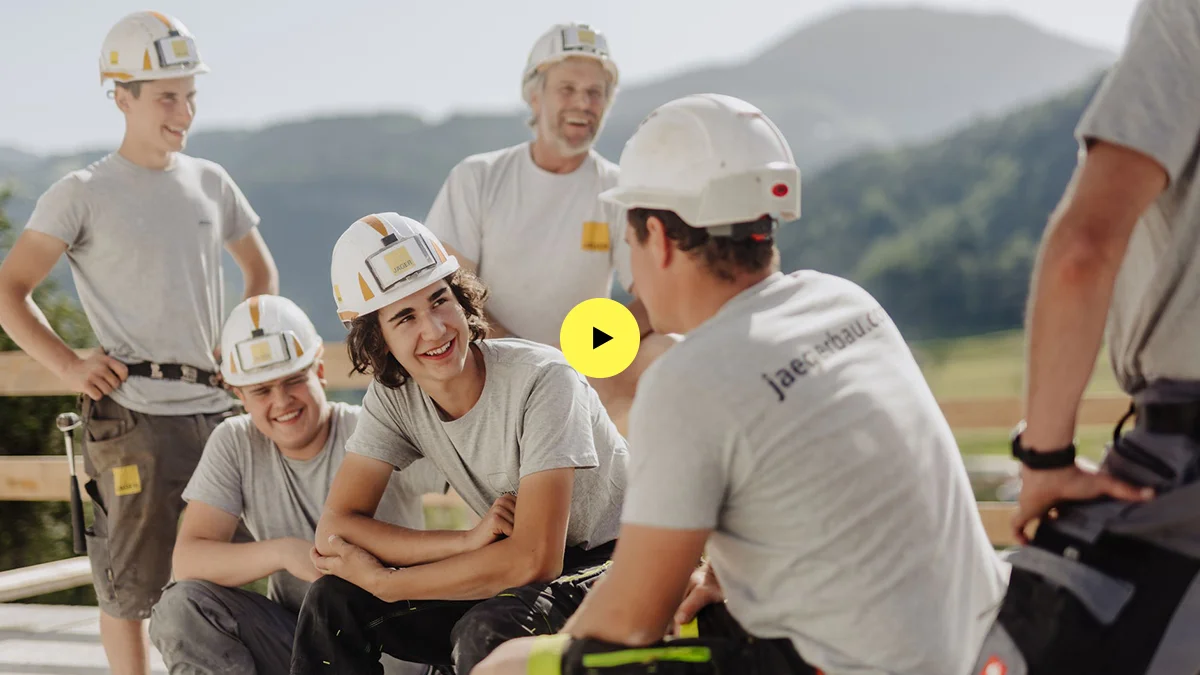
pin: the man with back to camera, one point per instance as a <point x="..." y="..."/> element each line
<point x="791" y="435"/>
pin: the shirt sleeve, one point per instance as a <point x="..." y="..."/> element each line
<point x="217" y="480"/>
<point x="455" y="217"/>
<point x="239" y="217"/>
<point x="556" y="426"/>
<point x="1148" y="101"/>
<point x="61" y="211"/>
<point x="679" y="444"/>
<point x="423" y="477"/>
<point x="378" y="433"/>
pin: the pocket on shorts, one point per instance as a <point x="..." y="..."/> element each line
<point x="111" y="445"/>
<point x="100" y="560"/>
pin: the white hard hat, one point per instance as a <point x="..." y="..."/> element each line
<point x="565" y="40"/>
<point x="265" y="338"/>
<point x="714" y="160"/>
<point x="382" y="258"/>
<point x="149" y="46"/>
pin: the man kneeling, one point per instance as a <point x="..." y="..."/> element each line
<point x="272" y="468"/>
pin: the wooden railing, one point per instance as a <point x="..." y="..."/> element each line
<point x="45" y="478"/>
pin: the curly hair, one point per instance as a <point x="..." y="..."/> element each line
<point x="723" y="257"/>
<point x="369" y="353"/>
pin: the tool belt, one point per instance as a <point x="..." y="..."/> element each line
<point x="1170" y="418"/>
<point x="175" y="371"/>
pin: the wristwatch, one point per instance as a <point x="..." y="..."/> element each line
<point x="1041" y="460"/>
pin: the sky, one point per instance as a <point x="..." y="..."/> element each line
<point x="273" y="60"/>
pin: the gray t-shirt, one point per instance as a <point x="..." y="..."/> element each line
<point x="1150" y="101"/>
<point x="244" y="474"/>
<point x="521" y="225"/>
<point x="796" y="424"/>
<point x="144" y="247"/>
<point x="536" y="413"/>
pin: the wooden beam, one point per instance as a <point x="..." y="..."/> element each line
<point x="46" y="479"/>
<point x="20" y="375"/>
<point x="1004" y="413"/>
<point x="27" y="582"/>
<point x="996" y="517"/>
<point x="39" y="479"/>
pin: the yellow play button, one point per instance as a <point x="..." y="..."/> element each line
<point x="599" y="337"/>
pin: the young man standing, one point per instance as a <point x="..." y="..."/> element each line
<point x="143" y="229"/>
<point x="531" y="212"/>
<point x="791" y="434"/>
<point x="271" y="467"/>
<point x="507" y="421"/>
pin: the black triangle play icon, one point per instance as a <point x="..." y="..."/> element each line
<point x="599" y="337"/>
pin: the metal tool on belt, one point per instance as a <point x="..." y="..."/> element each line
<point x="67" y="422"/>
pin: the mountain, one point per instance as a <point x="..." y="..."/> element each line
<point x="863" y="79"/>
<point x="945" y="233"/>
<point x="882" y="76"/>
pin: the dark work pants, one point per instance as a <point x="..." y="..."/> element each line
<point x="722" y="646"/>
<point x="202" y="628"/>
<point x="344" y="629"/>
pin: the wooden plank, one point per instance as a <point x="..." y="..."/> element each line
<point x="27" y="582"/>
<point x="39" y="479"/>
<point x="20" y="375"/>
<point x="46" y="479"/>
<point x="1004" y="413"/>
<point x="997" y="518"/>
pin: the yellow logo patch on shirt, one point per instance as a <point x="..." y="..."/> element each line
<point x="595" y="236"/>
<point x="127" y="480"/>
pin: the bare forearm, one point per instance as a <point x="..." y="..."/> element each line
<point x="1069" y="305"/>
<point x="28" y="327"/>
<point x="393" y="545"/>
<point x="476" y="575"/>
<point x="262" y="282"/>
<point x="603" y="615"/>
<point x="226" y="563"/>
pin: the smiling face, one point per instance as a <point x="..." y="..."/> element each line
<point x="288" y="410"/>
<point x="570" y="105"/>
<point x="161" y="114"/>
<point x="427" y="333"/>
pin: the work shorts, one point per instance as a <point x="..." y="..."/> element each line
<point x="137" y="467"/>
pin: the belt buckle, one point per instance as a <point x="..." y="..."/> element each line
<point x="156" y="371"/>
<point x="188" y="373"/>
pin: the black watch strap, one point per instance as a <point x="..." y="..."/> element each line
<point x="1050" y="459"/>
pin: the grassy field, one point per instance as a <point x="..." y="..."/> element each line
<point x="993" y="366"/>
<point x="989" y="366"/>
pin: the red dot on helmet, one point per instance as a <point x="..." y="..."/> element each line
<point x="779" y="190"/>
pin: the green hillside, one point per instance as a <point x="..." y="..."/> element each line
<point x="944" y="234"/>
